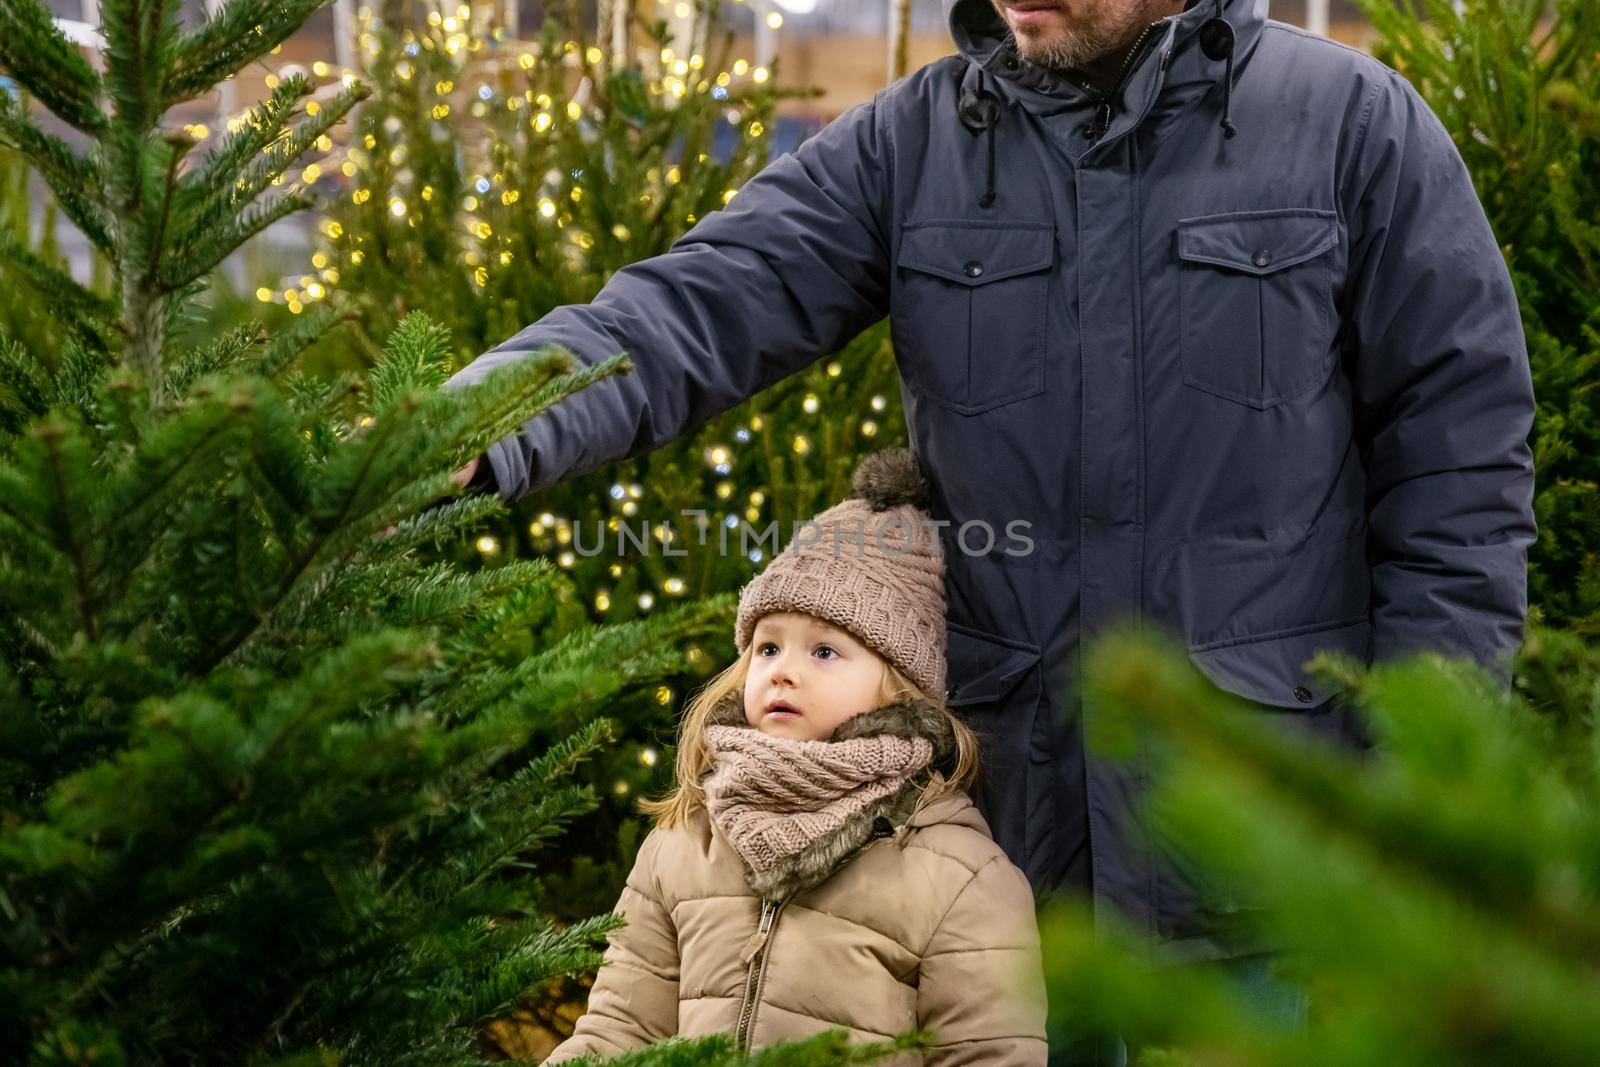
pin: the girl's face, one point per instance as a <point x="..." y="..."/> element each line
<point x="807" y="676"/>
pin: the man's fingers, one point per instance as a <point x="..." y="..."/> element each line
<point x="464" y="475"/>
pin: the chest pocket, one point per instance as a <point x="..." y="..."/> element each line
<point x="1256" y="303"/>
<point x="968" y="310"/>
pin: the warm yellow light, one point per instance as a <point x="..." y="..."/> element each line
<point x="487" y="544"/>
<point x="759" y="74"/>
<point x="869" y="428"/>
<point x="525" y="61"/>
<point x="312" y="107"/>
<point x="740" y="66"/>
<point x="810" y="404"/>
<point x="542" y="121"/>
<point x="673" y="585"/>
<point x="680" y="68"/>
<point x="729" y="194"/>
<point x="756" y="129"/>
<point x="510" y="196"/>
<point x="547" y="207"/>
<point x="361" y="196"/>
<point x="574" y="110"/>
<point x="315" y="291"/>
<point x="774" y="19"/>
<point x="441" y="111"/>
<point x="592" y="55"/>
<point x="320" y="69"/>
<point x="348" y="169"/>
<point x="397" y="207"/>
<point x="271" y="80"/>
<point x="621" y="232"/>
<point x="801" y="444"/>
<point x="264" y="295"/>
<point x="324" y="143"/>
<point x="319" y="260"/>
<point x="356" y="257"/>
<point x="311" y="173"/>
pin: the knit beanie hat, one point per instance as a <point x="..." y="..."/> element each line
<point x="872" y="565"/>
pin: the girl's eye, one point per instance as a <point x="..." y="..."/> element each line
<point x="826" y="648"/>
<point x="762" y="648"/>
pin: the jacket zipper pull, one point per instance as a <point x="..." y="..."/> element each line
<point x="759" y="938"/>
<point x="1101" y="121"/>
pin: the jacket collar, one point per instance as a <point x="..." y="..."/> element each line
<point x="1172" y="75"/>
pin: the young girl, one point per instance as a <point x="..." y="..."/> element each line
<point x="819" y="863"/>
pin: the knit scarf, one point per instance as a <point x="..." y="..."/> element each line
<point x="793" y="810"/>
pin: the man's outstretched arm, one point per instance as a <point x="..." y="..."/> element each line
<point x="1443" y="395"/>
<point x="789" y="271"/>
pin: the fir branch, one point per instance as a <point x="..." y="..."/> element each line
<point x="216" y="247"/>
<point x="74" y="180"/>
<point x="537" y="953"/>
<point x="139" y="35"/>
<point x="223" y="352"/>
<point x="41" y="59"/>
<point x="224" y="44"/>
<point x="414" y="359"/>
<point x="306" y="330"/>
<point x="88" y="314"/>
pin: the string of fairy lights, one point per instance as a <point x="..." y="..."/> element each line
<point x="462" y="34"/>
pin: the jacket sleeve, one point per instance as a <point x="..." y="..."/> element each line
<point x="981" y="986"/>
<point x="1443" y="396"/>
<point x="793" y="268"/>
<point x="634" y="1000"/>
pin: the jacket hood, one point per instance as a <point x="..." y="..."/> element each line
<point x="1172" y="75"/>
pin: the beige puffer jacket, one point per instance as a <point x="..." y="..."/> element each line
<point x="927" y="924"/>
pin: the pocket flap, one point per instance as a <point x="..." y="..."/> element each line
<point x="1258" y="242"/>
<point x="985" y="667"/>
<point x="1271" y="671"/>
<point x="973" y="253"/>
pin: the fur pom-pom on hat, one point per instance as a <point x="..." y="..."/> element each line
<point x="889" y="478"/>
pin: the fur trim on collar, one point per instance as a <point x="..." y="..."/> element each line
<point x="918" y="717"/>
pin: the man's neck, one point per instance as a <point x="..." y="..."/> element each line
<point x="1102" y="73"/>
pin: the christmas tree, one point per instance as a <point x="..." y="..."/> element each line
<point x="1517" y="84"/>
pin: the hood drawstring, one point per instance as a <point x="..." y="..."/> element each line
<point x="980" y="109"/>
<point x="980" y="113"/>
<point x="1216" y="41"/>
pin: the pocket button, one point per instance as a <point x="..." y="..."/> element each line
<point x="972" y="269"/>
<point x="1262" y="257"/>
<point x="1302" y="694"/>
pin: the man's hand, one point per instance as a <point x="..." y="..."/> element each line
<point x="464" y="475"/>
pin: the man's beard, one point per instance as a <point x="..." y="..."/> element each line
<point x="1078" y="43"/>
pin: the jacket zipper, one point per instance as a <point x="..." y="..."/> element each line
<point x="1105" y="102"/>
<point x="757" y="973"/>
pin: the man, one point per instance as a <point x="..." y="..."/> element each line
<point x="1206" y="300"/>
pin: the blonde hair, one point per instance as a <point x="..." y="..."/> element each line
<point x="694" y="755"/>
